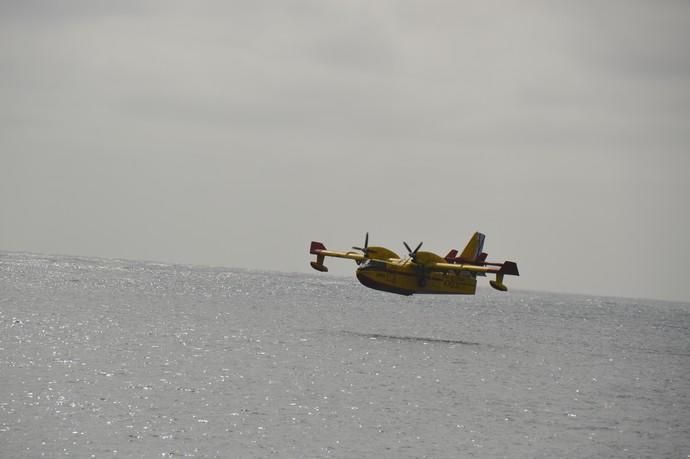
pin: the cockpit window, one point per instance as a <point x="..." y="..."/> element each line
<point x="373" y="264"/>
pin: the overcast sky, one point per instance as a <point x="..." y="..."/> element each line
<point x="234" y="133"/>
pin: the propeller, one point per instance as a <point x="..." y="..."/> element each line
<point x="365" y="249"/>
<point x="420" y="269"/>
<point x="412" y="253"/>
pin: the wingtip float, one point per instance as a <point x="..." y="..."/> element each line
<point x="420" y="272"/>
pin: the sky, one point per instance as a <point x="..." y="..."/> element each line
<point x="234" y="133"/>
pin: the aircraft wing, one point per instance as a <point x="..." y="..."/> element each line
<point x="318" y="249"/>
<point x="446" y="267"/>
<point x="506" y="268"/>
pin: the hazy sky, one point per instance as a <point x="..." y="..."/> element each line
<point x="234" y="133"/>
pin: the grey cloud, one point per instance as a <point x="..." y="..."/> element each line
<point x="556" y="128"/>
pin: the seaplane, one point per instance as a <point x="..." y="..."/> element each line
<point x="420" y="272"/>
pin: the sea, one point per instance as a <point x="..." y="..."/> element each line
<point x="104" y="358"/>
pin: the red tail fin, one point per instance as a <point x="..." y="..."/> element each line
<point x="473" y="249"/>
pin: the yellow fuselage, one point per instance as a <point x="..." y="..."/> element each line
<point x="405" y="278"/>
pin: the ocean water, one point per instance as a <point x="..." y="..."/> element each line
<point x="112" y="358"/>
